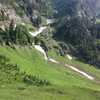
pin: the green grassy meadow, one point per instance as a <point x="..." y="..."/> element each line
<point x="65" y="84"/>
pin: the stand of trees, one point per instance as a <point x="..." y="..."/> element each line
<point x="18" y="35"/>
<point x="84" y="36"/>
<point x="77" y="28"/>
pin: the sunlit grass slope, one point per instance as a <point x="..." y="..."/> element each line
<point x="65" y="84"/>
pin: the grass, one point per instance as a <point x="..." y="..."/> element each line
<point x="78" y="64"/>
<point x="65" y="84"/>
<point x="48" y="93"/>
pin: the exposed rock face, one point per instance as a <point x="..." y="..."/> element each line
<point x="6" y="16"/>
<point x="91" y="6"/>
<point x="9" y="11"/>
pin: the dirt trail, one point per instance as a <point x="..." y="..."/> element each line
<point x="40" y="49"/>
<point x="80" y="72"/>
<point x="40" y="30"/>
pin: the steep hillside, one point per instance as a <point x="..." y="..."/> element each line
<point x="79" y="30"/>
<point x="49" y="50"/>
<point x="92" y="7"/>
<point x="26" y="11"/>
<point x="62" y="82"/>
<point x="88" y="7"/>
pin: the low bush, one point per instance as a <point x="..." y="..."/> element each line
<point x="34" y="80"/>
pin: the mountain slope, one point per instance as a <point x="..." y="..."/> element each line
<point x="64" y="82"/>
<point x="88" y="7"/>
<point x="78" y="29"/>
<point x="25" y="74"/>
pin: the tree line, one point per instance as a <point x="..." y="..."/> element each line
<point x="15" y="35"/>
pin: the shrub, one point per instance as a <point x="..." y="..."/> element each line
<point x="35" y="80"/>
